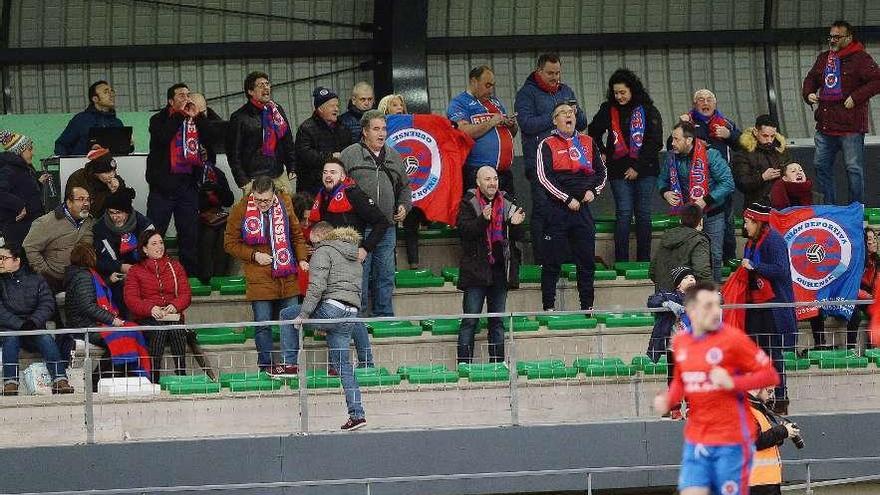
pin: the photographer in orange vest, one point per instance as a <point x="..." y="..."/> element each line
<point x="766" y="476"/>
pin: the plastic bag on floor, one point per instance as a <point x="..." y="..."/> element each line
<point x="36" y="380"/>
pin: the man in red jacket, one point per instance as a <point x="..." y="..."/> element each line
<point x="841" y="81"/>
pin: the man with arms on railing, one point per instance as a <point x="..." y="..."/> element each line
<point x="716" y="365"/>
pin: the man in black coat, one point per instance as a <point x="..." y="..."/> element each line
<point x="488" y="224"/>
<point x="21" y="194"/>
<point x="260" y="139"/>
<point x="319" y="138"/>
<point x="177" y="149"/>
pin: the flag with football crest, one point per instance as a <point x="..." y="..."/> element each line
<point x="434" y="153"/>
<point x="826" y="246"/>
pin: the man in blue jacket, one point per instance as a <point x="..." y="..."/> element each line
<point x="534" y="105"/>
<point x="101" y="112"/>
<point x="702" y="177"/>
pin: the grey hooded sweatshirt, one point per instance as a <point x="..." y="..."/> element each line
<point x="334" y="271"/>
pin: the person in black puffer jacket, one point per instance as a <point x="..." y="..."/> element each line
<point x="319" y="138"/>
<point x="21" y="195"/>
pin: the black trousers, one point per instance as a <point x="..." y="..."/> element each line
<point x="213" y="260"/>
<point x="156" y="342"/>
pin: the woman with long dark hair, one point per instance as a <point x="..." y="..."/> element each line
<point x="633" y="136"/>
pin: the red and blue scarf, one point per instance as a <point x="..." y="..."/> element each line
<point x="760" y="290"/>
<point x="186" y="148"/>
<point x="128" y="243"/>
<point x="495" y="229"/>
<point x="273" y="124"/>
<point x="712" y="122"/>
<point x="254" y="233"/>
<point x="832" y="84"/>
<point x="698" y="176"/>
<point x="636" y="133"/>
<point x="584" y="156"/>
<point x="126" y="348"/>
<point x="336" y="201"/>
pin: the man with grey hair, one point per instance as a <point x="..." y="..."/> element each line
<point x="379" y="170"/>
<point x="362" y="99"/>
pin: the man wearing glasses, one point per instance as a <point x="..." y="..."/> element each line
<point x="841" y="82"/>
<point x="53" y="235"/>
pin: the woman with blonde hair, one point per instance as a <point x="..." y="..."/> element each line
<point x="392" y="105"/>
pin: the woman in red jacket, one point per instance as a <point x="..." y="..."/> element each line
<point x="867" y="289"/>
<point x="157" y="292"/>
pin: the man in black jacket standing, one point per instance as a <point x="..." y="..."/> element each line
<point x="173" y="165"/>
<point x="260" y="139"/>
<point x="319" y="138"/>
<point x="488" y="224"/>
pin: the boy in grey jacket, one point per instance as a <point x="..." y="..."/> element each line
<point x="335" y="292"/>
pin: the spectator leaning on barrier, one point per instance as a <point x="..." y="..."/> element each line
<point x="633" y="131"/>
<point x="98" y="177"/>
<point x="157" y="292"/>
<point x="362" y="99"/>
<point x="175" y="159"/>
<point x="101" y="112"/>
<point x="682" y="245"/>
<point x="482" y="116"/>
<point x="488" y="224"/>
<point x="378" y="169"/>
<point x="21" y="194"/>
<point x="334" y="292"/>
<point x="26" y="303"/>
<point x="766" y="258"/>
<point x="699" y="175"/>
<point x="259" y="140"/>
<point x="758" y="162"/>
<point x="115" y="239"/>
<point x="571" y="173"/>
<point x="766" y="474"/>
<point x="341" y="203"/>
<point x="318" y="138"/>
<point x="842" y="81"/>
<point x="673" y="300"/>
<point x="263" y="232"/>
<point x="534" y="106"/>
<point x="53" y="235"/>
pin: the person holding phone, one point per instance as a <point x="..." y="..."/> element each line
<point x="482" y="116"/>
<point x="488" y="223"/>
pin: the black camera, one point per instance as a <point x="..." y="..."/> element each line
<point x="797" y="440"/>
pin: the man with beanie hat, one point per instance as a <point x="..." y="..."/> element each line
<point x="767" y="261"/>
<point x="758" y="163"/>
<point x="98" y="176"/>
<point x="116" y="235"/>
<point x="319" y="138"/>
<point x="259" y="140"/>
<point x="21" y="195"/>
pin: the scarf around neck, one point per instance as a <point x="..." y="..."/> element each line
<point x="832" y="82"/>
<point x="273" y="124"/>
<point x="712" y="123"/>
<point x="335" y="200"/>
<point x="495" y="228"/>
<point x="545" y="87"/>
<point x="254" y="232"/>
<point x="185" y="148"/>
<point x="636" y="133"/>
<point x="698" y="174"/>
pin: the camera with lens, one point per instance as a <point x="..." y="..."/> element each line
<point x="797" y="440"/>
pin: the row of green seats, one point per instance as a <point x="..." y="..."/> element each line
<point x="229" y="285"/>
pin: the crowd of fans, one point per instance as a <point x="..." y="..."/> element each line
<point x="111" y="262"/>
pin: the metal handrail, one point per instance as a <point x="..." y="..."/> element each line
<point x="367" y="482"/>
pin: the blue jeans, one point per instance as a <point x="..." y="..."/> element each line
<point x="271" y="310"/>
<point x="495" y="297"/>
<point x="338" y="339"/>
<point x="378" y="284"/>
<point x="633" y="196"/>
<point x="853" y="147"/>
<point x="184" y="206"/>
<point x="359" y="334"/>
<point x="713" y="227"/>
<point x="45" y="344"/>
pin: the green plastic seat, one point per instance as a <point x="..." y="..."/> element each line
<point x="522" y="367"/>
<point x="604" y="227"/>
<point x="660" y="224"/>
<point x="733" y="263"/>
<point x="407" y="370"/>
<point x="873" y="355"/>
<point x="401" y="328"/>
<point x="530" y="274"/>
<point x="378" y="380"/>
<point x="643" y="363"/>
<point x="465" y="369"/>
<point x="442" y="327"/>
<point x="419" y="282"/>
<point x="725" y="271"/>
<point x="622" y="266"/>
<point x="816" y="355"/>
<point x="167" y="380"/>
<point x="440" y="376"/>
<point x="603" y="370"/>
<point x="449" y="273"/>
<point x="597" y="275"/>
<point x="254" y="385"/>
<point x="573" y="322"/>
<point x="183" y="388"/>
<point x="317" y="378"/>
<point x="217" y="282"/>
<point x="419" y="273"/>
<point x="502" y="374"/>
<point x="198" y="288"/>
<point x="629" y="320"/>
<point x="738" y="222"/>
<point x="226" y="378"/>
<point x="219" y="336"/>
<point x="797" y="364"/>
<point x="848" y="362"/>
<point x="585" y="362"/>
<point x="637" y="274"/>
<point x="873" y="220"/>
<point x="661" y="367"/>
<point x="871" y="211"/>
<point x="549" y="373"/>
<point x="568" y="268"/>
<point x="233" y="289"/>
<point x="520" y="324"/>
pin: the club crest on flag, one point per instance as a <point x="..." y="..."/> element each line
<point x="422" y="158"/>
<point x="820" y="252"/>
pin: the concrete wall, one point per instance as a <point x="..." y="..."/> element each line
<point x="407" y="453"/>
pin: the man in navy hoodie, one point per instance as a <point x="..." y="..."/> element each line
<point x="534" y="104"/>
<point x="101" y="112"/>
